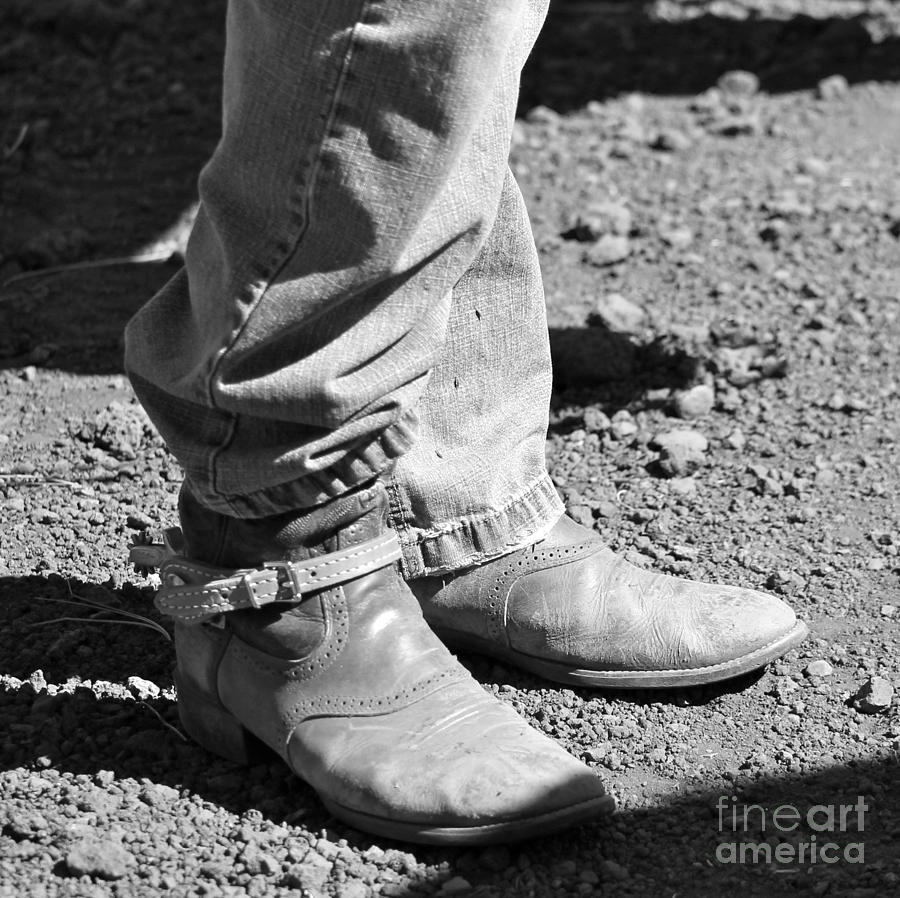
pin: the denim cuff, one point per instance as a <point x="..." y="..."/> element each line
<point x="359" y="466"/>
<point x="472" y="540"/>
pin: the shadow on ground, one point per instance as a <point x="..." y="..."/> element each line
<point x="592" y="51"/>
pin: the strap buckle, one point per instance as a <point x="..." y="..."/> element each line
<point x="264" y="584"/>
<point x="261" y="587"/>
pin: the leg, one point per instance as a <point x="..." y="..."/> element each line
<point x="475" y="484"/>
<point x="497" y="568"/>
<point x="359" y="172"/>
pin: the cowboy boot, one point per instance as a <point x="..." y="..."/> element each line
<point x="298" y="630"/>
<point x="568" y="609"/>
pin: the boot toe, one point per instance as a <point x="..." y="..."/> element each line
<point x="457" y="766"/>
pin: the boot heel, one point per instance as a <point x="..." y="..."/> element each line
<point x="215" y="729"/>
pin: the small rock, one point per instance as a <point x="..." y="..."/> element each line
<point x="820" y="668"/>
<point x="596" y="420"/>
<point x="606" y="509"/>
<point x="814" y="167"/>
<point x="678" y="237"/>
<point x="136" y="520"/>
<point x="832" y="88"/>
<point x="680" y="439"/>
<point x="618" y="314"/>
<point x="695" y="402"/>
<point x="875" y="695"/>
<point x="141" y="688"/>
<point x="99" y="858"/>
<point x="608" y="250"/>
<point x="736" y="439"/>
<point x="736" y="125"/>
<point x="600" y="219"/>
<point x="683" y="486"/>
<point x="671" y="140"/>
<point x="615" y="871"/>
<point x="314" y="871"/>
<point x="680" y="459"/>
<point x="887" y="610"/>
<point x="352" y="888"/>
<point x="25" y="825"/>
<point x="543" y="115"/>
<point x="455" y="886"/>
<point x="623" y="426"/>
<point x="29" y="373"/>
<point x="738" y="83"/>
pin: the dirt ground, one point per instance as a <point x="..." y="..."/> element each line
<point x="715" y="194"/>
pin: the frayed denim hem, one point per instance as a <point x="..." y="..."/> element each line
<point x="471" y="541"/>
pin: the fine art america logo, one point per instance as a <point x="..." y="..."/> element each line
<point x="788" y="837"/>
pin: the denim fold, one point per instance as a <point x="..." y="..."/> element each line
<point x="361" y="295"/>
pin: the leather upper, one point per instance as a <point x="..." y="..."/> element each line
<point x="570" y="599"/>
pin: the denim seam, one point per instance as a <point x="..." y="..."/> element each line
<point x="299" y="216"/>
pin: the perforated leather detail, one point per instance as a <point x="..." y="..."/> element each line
<point x="368" y="706"/>
<point x="520" y="564"/>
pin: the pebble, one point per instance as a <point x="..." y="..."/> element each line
<point x="813" y="166"/>
<point x="671" y="140"/>
<point x="25" y="824"/>
<point x="352" y="888"/>
<point x="314" y="871"/>
<point x="456" y="885"/>
<point x="681" y="452"/>
<point x="141" y="688"/>
<point x="834" y="87"/>
<point x="691" y="440"/>
<point x="543" y="115"/>
<point x="875" y="695"/>
<point x="137" y="520"/>
<point x="736" y="439"/>
<point x="608" y="250"/>
<point x="738" y="83"/>
<point x="694" y="403"/>
<point x="678" y="237"/>
<point x="600" y="219"/>
<point x="615" y="871"/>
<point x="596" y="420"/>
<point x="683" y="486"/>
<point x="99" y="858"/>
<point x="820" y="668"/>
<point x="622" y="425"/>
<point x="618" y="314"/>
<point x="886" y="610"/>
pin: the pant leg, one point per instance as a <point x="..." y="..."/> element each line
<point x="475" y="484"/>
<point x="359" y="173"/>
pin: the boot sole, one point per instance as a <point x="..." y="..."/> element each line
<point x="487" y="834"/>
<point x="627" y="679"/>
<point x="214" y="728"/>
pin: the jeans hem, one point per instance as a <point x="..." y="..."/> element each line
<point x="473" y="540"/>
<point x="359" y="466"/>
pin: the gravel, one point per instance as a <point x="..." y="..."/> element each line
<point x="744" y="170"/>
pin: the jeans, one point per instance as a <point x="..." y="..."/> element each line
<point x="361" y="294"/>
